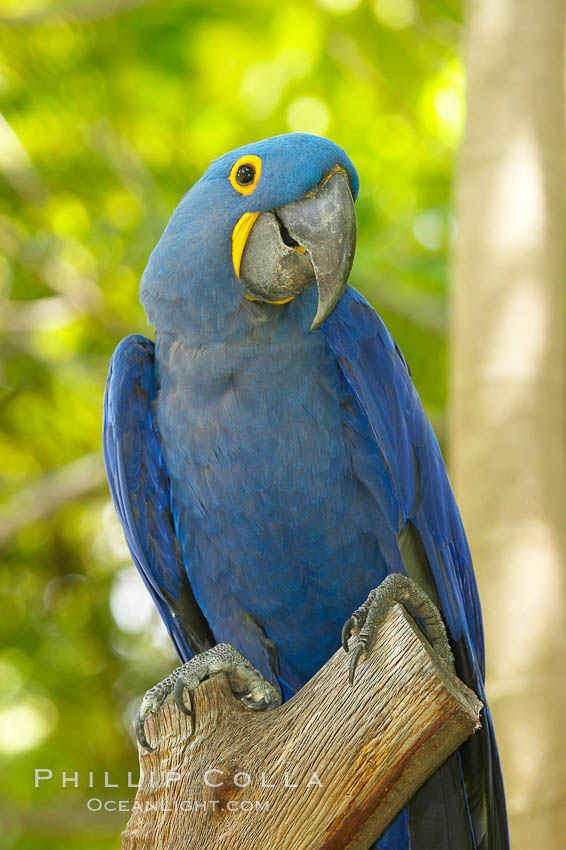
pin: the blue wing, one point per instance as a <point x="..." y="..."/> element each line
<point x="431" y="539"/>
<point x="140" y="489"/>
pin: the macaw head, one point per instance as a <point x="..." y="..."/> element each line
<point x="263" y="224"/>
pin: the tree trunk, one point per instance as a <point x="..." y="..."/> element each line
<point x="327" y="770"/>
<point x="507" y="418"/>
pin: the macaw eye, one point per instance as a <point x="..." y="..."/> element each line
<point x="245" y="174"/>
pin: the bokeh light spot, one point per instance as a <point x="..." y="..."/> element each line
<point x="26" y="724"/>
<point x="261" y="88"/>
<point x="338" y="5"/>
<point x="443" y="103"/>
<point x="130" y="603"/>
<point x="308" y="115"/>
<point x="433" y="229"/>
<point x="396" y="14"/>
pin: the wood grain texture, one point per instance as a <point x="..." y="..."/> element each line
<point x="328" y="770"/>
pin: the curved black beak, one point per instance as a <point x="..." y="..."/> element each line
<point x="307" y="240"/>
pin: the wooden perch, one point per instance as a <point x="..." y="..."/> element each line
<point x="328" y="770"/>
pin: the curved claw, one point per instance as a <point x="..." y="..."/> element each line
<point x="346" y="632"/>
<point x="256" y="705"/>
<point x="356" y="655"/>
<point x="178" y="694"/>
<point x="140" y="731"/>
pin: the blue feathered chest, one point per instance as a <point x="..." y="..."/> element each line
<point x="260" y="441"/>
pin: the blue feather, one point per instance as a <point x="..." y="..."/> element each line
<point x="140" y="489"/>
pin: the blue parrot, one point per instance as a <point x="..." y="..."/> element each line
<point x="271" y="462"/>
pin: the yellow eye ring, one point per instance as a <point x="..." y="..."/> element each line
<point x="245" y="174"/>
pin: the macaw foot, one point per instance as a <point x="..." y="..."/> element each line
<point x="366" y="620"/>
<point x="246" y="682"/>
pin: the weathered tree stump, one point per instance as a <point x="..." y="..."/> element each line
<point x="328" y="770"/>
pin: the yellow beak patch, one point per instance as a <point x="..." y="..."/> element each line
<point x="240" y="237"/>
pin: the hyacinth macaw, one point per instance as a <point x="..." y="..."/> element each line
<point x="271" y="462"/>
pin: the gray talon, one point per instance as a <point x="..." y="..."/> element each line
<point x="356" y="655"/>
<point x="347" y="629"/>
<point x="247" y="683"/>
<point x="366" y="620"/>
<point x="255" y="705"/>
<point x="140" y="732"/>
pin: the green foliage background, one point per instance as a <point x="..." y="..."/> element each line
<point x="109" y="112"/>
